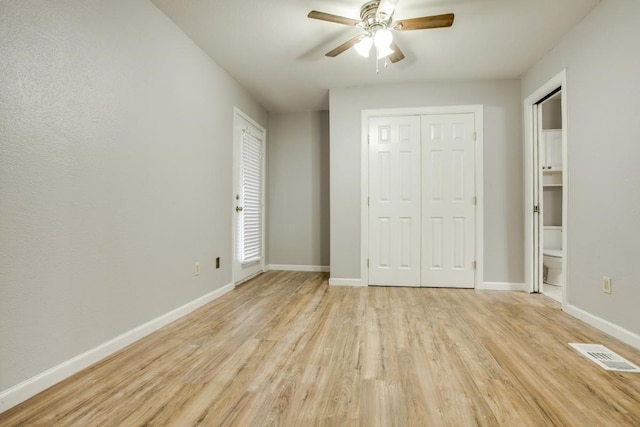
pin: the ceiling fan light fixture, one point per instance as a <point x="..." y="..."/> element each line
<point x="383" y="39"/>
<point x="363" y="47"/>
<point x="384" y="51"/>
<point x="376" y="24"/>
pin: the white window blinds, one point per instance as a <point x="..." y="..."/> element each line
<point x="251" y="198"/>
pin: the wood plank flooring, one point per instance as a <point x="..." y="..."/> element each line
<point x="285" y="349"/>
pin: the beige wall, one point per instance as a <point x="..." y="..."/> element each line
<point x="503" y="224"/>
<point x="604" y="147"/>
<point x="298" y="182"/>
<point x="115" y="175"/>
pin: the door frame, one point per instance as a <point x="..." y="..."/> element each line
<point x="530" y="187"/>
<point x="478" y="111"/>
<point x="237" y="134"/>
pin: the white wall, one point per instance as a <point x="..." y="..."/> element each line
<point x="298" y="182"/>
<point x="115" y="175"/>
<point x="603" y="91"/>
<point x="503" y="234"/>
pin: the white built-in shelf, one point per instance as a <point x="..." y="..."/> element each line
<point x="552" y="180"/>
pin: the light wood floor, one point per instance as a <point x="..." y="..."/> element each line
<point x="286" y="349"/>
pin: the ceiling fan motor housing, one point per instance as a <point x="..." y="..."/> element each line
<point x="371" y="20"/>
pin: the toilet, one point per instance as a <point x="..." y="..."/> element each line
<point x="552" y="255"/>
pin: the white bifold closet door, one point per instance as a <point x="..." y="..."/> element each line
<point x="422" y="201"/>
<point x="448" y="200"/>
<point x="394" y="201"/>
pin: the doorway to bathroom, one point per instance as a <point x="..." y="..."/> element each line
<point x="546" y="181"/>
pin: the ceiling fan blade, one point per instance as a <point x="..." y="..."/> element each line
<point x="344" y="46"/>
<point x="387" y="7"/>
<point x="424" y="23"/>
<point x="314" y="14"/>
<point x="397" y="54"/>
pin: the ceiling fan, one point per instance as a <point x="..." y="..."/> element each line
<point x="376" y="19"/>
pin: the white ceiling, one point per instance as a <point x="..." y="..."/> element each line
<point x="277" y="53"/>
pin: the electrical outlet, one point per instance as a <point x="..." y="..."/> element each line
<point x="196" y="269"/>
<point x="218" y="262"/>
<point x="606" y="285"/>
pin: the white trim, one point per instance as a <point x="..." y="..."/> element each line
<point x="249" y="277"/>
<point x="309" y="268"/>
<point x="29" y="388"/>
<point x="478" y="111"/>
<point x="355" y="283"/>
<point x="612" y="329"/>
<point x="364" y="199"/>
<point x="559" y="80"/>
<point x="501" y="286"/>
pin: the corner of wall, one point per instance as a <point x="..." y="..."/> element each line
<point x="32" y="386"/>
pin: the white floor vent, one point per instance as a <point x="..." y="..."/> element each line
<point x="606" y="358"/>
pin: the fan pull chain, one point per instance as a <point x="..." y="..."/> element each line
<point x="385" y="65"/>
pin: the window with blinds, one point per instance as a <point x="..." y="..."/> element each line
<point x="250" y="230"/>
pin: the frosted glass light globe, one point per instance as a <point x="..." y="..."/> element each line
<point x="364" y="46"/>
<point x="383" y="39"/>
<point x="384" y="51"/>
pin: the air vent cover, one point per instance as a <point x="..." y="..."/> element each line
<point x="606" y="358"/>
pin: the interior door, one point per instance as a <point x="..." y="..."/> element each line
<point x="448" y="200"/>
<point x="539" y="156"/>
<point x="248" y="200"/>
<point x="394" y="201"/>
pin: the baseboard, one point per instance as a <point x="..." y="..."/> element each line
<point x="29" y="388"/>
<point x="501" y="286"/>
<point x="309" y="268"/>
<point x="497" y="286"/>
<point x="612" y="329"/>
<point x="355" y="283"/>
